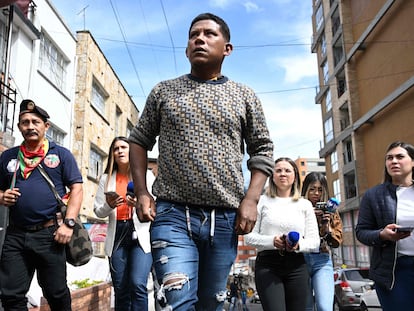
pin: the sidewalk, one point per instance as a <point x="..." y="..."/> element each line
<point x="96" y="269"/>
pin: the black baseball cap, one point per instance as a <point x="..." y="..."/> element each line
<point x="28" y="106"/>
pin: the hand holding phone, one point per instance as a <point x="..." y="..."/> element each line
<point x="404" y="229"/>
<point x="112" y="194"/>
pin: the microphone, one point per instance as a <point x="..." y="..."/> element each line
<point x="332" y="205"/>
<point x="292" y="238"/>
<point x="130" y="189"/>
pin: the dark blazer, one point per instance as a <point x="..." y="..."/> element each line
<point x="377" y="210"/>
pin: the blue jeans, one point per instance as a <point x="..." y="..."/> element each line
<point x="23" y="254"/>
<point x="130" y="268"/>
<point x="322" y="281"/>
<point x="192" y="264"/>
<point x="401" y="296"/>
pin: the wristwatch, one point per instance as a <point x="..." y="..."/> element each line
<point x="70" y="222"/>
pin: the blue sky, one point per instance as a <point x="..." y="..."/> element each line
<point x="144" y="42"/>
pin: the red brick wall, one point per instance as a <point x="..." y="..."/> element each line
<point x="94" y="298"/>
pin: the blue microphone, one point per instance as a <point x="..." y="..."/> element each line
<point x="292" y="238"/>
<point x="332" y="205"/>
<point x="130" y="189"/>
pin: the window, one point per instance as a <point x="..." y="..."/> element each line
<point x="348" y="255"/>
<point x="325" y="72"/>
<point x="118" y="121"/>
<point x="323" y="46"/>
<point x="328" y="101"/>
<point x="98" y="98"/>
<point x="130" y="126"/>
<point x="344" y="116"/>
<point x="52" y="62"/>
<point x="55" y="134"/>
<point x="337" y="189"/>
<point x="95" y="163"/>
<point x="319" y="17"/>
<point x="334" y="161"/>
<point x="347" y="148"/>
<point x="347" y="222"/>
<point x="350" y="187"/>
<point x="341" y="83"/>
<point x="2" y="41"/>
<point x="338" y="54"/>
<point x="328" y="127"/>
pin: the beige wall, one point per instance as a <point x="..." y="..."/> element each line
<point x="91" y="128"/>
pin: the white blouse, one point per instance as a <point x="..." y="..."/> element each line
<point x="278" y="216"/>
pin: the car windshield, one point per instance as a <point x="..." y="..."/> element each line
<point x="357" y="275"/>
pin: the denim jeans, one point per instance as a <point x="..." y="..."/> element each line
<point x="192" y="262"/>
<point x="322" y="281"/>
<point x="23" y="254"/>
<point x="401" y="296"/>
<point x="130" y="268"/>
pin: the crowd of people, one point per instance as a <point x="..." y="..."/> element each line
<point x="183" y="225"/>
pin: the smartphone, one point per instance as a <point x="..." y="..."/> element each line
<point x="404" y="229"/>
<point x="111" y="193"/>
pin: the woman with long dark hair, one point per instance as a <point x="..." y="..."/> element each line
<point x="320" y="267"/>
<point x="127" y="242"/>
<point x="384" y="212"/>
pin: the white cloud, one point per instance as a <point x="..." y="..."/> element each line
<point x="297" y="66"/>
<point x="251" y="7"/>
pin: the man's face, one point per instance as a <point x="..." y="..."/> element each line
<point x="206" y="43"/>
<point x="32" y="127"/>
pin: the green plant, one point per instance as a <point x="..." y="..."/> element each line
<point x="84" y="283"/>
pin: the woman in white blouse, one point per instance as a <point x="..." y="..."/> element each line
<point x="281" y="274"/>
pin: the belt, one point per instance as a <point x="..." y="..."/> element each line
<point x="123" y="220"/>
<point x="37" y="227"/>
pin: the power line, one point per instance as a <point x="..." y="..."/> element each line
<point x="127" y="47"/>
<point x="169" y="33"/>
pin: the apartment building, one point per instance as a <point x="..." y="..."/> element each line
<point x="366" y="75"/>
<point x="307" y="165"/>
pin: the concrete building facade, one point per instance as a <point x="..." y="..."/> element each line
<point x="102" y="110"/>
<point x="366" y="94"/>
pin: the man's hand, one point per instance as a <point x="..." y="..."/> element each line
<point x="10" y="196"/>
<point x="63" y="234"/>
<point x="146" y="207"/>
<point x="246" y="216"/>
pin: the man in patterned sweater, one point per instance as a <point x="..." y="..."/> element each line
<point x="203" y="122"/>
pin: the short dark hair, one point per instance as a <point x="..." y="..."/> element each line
<point x="410" y="151"/>
<point x="224" y="28"/>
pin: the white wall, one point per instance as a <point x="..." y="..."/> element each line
<point x="27" y="79"/>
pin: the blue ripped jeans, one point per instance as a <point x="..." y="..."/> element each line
<point x="321" y="280"/>
<point x="192" y="258"/>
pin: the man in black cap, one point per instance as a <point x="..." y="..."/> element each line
<point x="33" y="240"/>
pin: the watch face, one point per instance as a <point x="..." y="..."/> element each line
<point x="70" y="222"/>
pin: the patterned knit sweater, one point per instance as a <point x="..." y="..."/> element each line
<point x="202" y="129"/>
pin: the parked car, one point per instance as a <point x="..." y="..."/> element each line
<point x="369" y="299"/>
<point x="349" y="286"/>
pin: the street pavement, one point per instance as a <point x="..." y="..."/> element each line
<point x="250" y="306"/>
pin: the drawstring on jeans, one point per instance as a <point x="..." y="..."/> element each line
<point x="212" y="225"/>
<point x="187" y="216"/>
